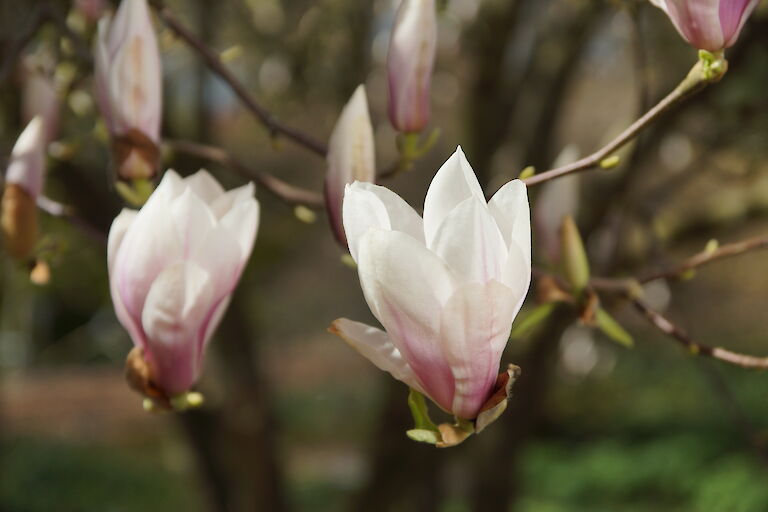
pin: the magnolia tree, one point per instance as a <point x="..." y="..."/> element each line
<point x="445" y="282"/>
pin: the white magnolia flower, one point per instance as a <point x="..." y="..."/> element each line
<point x="446" y="288"/>
<point x="173" y="266"/>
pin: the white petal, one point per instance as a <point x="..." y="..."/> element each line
<point x="150" y="244"/>
<point x="375" y="345"/>
<point x="476" y="324"/>
<point x="219" y="254"/>
<point x="205" y="186"/>
<point x="177" y="304"/>
<point x="27" y="163"/>
<point x="406" y="286"/>
<point x="116" y="234"/>
<point x="517" y="275"/>
<point x="135" y="82"/>
<point x="470" y="242"/>
<point x="222" y="204"/>
<point x="351" y="156"/>
<point x="509" y="207"/>
<point x="243" y="223"/>
<point x="193" y="220"/>
<point x="370" y="206"/>
<point x="453" y="183"/>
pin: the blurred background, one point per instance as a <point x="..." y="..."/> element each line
<point x="294" y="418"/>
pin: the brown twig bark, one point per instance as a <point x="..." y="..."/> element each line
<point x="705" y="257"/>
<point x="212" y="60"/>
<point x="692" y="84"/>
<point x="286" y="192"/>
<point x="666" y="326"/>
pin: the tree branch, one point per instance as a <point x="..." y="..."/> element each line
<point x="693" y="83"/>
<point x="705" y="257"/>
<point x="214" y="63"/>
<point x="670" y="329"/>
<point x="286" y="192"/>
<point x="62" y="211"/>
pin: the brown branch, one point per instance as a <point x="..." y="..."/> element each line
<point x="693" y="83"/>
<point x="705" y="257"/>
<point x="664" y="325"/>
<point x="214" y="63"/>
<point x="62" y="211"/>
<point x="286" y="192"/>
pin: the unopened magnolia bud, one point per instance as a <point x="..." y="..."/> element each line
<point x="711" y="25"/>
<point x="129" y="88"/>
<point x="410" y="61"/>
<point x="574" y="257"/>
<point x="351" y="157"/>
<point x="23" y="183"/>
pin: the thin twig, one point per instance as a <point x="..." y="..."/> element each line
<point x="286" y="192"/>
<point x="62" y="211"/>
<point x="692" y="84"/>
<point x="663" y="324"/>
<point x="214" y="63"/>
<point x="705" y="257"/>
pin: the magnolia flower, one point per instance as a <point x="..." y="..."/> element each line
<point x="23" y="184"/>
<point x="446" y="287"/>
<point x="351" y="156"/>
<point x="409" y="64"/>
<point x="711" y="25"/>
<point x="129" y="88"/>
<point x="172" y="268"/>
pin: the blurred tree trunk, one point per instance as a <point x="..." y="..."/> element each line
<point x="404" y="475"/>
<point x="497" y="461"/>
<point x="492" y="99"/>
<point x="233" y="441"/>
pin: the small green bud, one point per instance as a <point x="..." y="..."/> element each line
<point x="304" y="214"/>
<point x="610" y="162"/>
<point x="574" y="257"/>
<point x="528" y="172"/>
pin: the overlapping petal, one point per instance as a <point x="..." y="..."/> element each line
<point x="446" y="289"/>
<point x="369" y="206"/>
<point x="173" y="266"/>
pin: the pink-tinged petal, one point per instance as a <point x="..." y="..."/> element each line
<point x="117" y="232"/>
<point x="205" y="186"/>
<point x="151" y="243"/>
<point x="370" y="206"/>
<point x="454" y="182"/>
<point x="177" y="304"/>
<point x="470" y="242"/>
<point x="212" y="322"/>
<point x="410" y="61"/>
<point x="733" y="15"/>
<point x="509" y="207"/>
<point x="219" y="254"/>
<point x="193" y="221"/>
<point x="242" y="221"/>
<point x="351" y="156"/>
<point x="698" y="21"/>
<point x="517" y="275"/>
<point x="222" y="204"/>
<point x="135" y="74"/>
<point x="476" y="323"/>
<point x="27" y="163"/>
<point x="406" y="286"/>
<point x="375" y="345"/>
